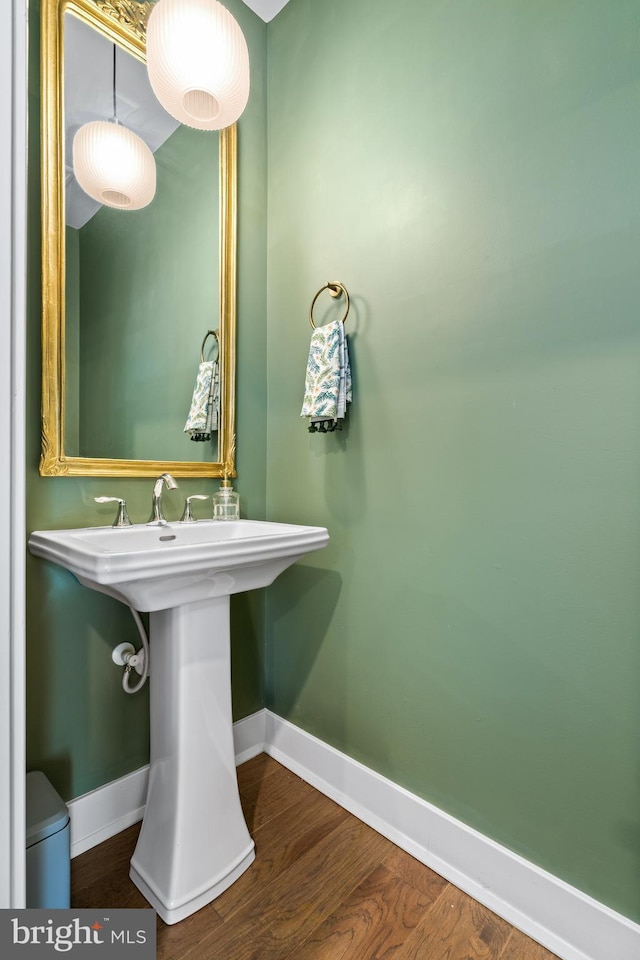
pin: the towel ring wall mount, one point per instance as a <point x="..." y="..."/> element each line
<point x="209" y="333"/>
<point x="336" y="289"/>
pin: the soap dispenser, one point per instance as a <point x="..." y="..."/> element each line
<point x="226" y="502"/>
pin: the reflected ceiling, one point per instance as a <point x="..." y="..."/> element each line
<point x="88" y="94"/>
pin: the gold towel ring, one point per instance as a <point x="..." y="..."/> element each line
<point x="209" y="333"/>
<point x="335" y="288"/>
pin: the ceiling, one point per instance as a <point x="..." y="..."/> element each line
<point x="266" y="9"/>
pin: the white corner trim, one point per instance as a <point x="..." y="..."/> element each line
<point x="560" y="917"/>
<point x="13" y="232"/>
<point x="108" y="810"/>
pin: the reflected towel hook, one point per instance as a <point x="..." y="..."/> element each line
<point x="336" y="289"/>
<point x="209" y="333"/>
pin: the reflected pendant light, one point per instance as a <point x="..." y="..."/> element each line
<point x="112" y="164"/>
<point x="198" y="62"/>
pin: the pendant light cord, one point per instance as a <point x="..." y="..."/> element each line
<point x="115" y="116"/>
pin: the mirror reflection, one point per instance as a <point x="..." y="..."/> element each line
<point x="136" y="280"/>
<point x="140" y="288"/>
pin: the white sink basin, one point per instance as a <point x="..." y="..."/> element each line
<point x="194" y="841"/>
<point x="154" y="568"/>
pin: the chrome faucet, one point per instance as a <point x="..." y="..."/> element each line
<point x="157" y="517"/>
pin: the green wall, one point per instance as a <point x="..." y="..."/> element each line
<point x="82" y="730"/>
<point x="470" y="171"/>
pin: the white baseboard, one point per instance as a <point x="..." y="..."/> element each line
<point x="560" y="917"/>
<point x="103" y="812"/>
<point x="249" y="736"/>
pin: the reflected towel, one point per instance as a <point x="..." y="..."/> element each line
<point x="327" y="388"/>
<point x="205" y="403"/>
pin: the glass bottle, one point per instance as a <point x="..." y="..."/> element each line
<point x="226" y="502"/>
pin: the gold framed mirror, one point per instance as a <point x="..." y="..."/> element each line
<point x="96" y="323"/>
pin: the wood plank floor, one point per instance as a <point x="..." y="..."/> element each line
<point x="324" y="886"/>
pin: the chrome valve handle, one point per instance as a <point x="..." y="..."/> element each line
<point x="122" y="517"/>
<point x="187" y="516"/>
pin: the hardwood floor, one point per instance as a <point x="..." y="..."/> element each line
<point x="323" y="887"/>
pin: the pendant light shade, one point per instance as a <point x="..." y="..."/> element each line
<point x="114" y="166"/>
<point x="198" y="62"/>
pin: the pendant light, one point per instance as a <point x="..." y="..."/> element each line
<point x="198" y="62"/>
<point x="112" y="164"/>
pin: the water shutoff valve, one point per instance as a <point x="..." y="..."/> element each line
<point x="124" y="655"/>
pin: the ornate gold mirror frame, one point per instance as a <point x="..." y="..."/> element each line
<point x="123" y="22"/>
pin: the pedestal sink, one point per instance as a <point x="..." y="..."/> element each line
<point x="194" y="841"/>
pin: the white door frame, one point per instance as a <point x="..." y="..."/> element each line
<point x="13" y="165"/>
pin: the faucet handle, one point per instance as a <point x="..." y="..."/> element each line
<point x="187" y="516"/>
<point x="122" y="518"/>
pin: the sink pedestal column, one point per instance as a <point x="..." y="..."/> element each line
<point x="194" y="841"/>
